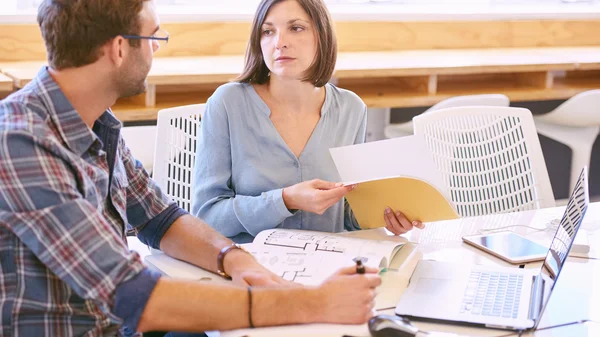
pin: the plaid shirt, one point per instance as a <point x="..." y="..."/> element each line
<point x="66" y="195"/>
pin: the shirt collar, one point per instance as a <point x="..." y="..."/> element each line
<point x="72" y="129"/>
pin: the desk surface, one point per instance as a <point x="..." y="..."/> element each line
<point x="575" y="296"/>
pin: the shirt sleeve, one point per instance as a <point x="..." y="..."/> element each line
<point x="145" y="199"/>
<point x="53" y="209"/>
<point x="149" y="211"/>
<point x="214" y="199"/>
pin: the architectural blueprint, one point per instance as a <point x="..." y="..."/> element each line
<point x="309" y="257"/>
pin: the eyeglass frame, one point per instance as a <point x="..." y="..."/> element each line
<point x="142" y="37"/>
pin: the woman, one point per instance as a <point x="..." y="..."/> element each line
<point x="262" y="159"/>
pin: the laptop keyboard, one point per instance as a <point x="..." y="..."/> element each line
<point x="493" y="294"/>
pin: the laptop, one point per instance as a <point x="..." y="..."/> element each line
<point x="494" y="296"/>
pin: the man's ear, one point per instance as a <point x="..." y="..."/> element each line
<point x="117" y="49"/>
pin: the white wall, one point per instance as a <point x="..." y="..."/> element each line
<point x="23" y="11"/>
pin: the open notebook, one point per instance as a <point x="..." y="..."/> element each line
<point x="399" y="173"/>
<point x="304" y="257"/>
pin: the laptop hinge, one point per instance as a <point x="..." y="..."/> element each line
<point x="537" y="297"/>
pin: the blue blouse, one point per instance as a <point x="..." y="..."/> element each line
<point x="243" y="163"/>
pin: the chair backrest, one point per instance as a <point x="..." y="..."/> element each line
<point x="141" y="142"/>
<point x="490" y="158"/>
<point x="581" y="110"/>
<point x="472" y="100"/>
<point x="406" y="128"/>
<point x="176" y="135"/>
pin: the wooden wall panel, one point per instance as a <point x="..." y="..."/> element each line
<point x="219" y="38"/>
<point x="384" y="36"/>
<point x="23" y="42"/>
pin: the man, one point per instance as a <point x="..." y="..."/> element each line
<point x="69" y="186"/>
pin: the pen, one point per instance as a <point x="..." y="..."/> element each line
<point x="360" y="268"/>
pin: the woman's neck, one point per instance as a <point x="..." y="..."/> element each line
<point x="300" y="96"/>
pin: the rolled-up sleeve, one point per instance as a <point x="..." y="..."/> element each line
<point x="149" y="211"/>
<point x="43" y="202"/>
<point x="145" y="199"/>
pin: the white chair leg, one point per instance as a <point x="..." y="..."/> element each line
<point x="581" y="157"/>
<point x="579" y="140"/>
<point x="399" y="130"/>
<point x="377" y="119"/>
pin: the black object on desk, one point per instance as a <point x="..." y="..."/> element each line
<point x="391" y="326"/>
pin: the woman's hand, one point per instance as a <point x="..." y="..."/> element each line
<point x="314" y="196"/>
<point x="397" y="223"/>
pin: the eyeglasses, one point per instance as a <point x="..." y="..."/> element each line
<point x="160" y="35"/>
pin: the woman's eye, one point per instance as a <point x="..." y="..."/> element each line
<point x="297" y="28"/>
<point x="267" y="32"/>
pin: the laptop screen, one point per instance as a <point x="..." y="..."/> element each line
<point x="564" y="237"/>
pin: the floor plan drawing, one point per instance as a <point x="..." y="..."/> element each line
<point x="306" y="241"/>
<point x="297" y="267"/>
<point x="309" y="257"/>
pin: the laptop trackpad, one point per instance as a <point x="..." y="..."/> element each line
<point x="433" y="286"/>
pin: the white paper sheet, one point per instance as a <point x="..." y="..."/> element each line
<point x="397" y="157"/>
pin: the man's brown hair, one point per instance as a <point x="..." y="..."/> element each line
<point x="74" y="30"/>
<point x="320" y="71"/>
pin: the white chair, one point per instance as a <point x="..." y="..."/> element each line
<point x="406" y="128"/>
<point x="140" y="141"/>
<point x="490" y="158"/>
<point x="177" y="132"/>
<point x="575" y="123"/>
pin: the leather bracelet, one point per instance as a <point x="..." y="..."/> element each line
<point x="221" y="258"/>
<point x="250" y="307"/>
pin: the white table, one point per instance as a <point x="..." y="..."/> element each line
<point x="576" y="296"/>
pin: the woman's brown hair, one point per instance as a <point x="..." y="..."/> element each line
<point x="320" y="71"/>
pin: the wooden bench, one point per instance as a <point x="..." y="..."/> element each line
<point x="6" y="85"/>
<point x="21" y="73"/>
<point x="422" y="78"/>
<point x="382" y="79"/>
<point x="172" y="82"/>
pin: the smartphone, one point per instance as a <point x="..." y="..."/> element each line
<point x="508" y="246"/>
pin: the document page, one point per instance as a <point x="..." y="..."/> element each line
<point x="310" y="257"/>
<point x="397" y="157"/>
<point x="398" y="173"/>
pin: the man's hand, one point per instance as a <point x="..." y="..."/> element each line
<point x="246" y="271"/>
<point x="314" y="196"/>
<point x="348" y="297"/>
